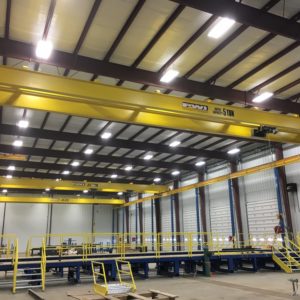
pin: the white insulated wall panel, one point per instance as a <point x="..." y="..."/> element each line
<point x="25" y="220"/>
<point x="261" y="198"/>
<point x="219" y="206"/>
<point x="293" y="176"/>
<point x="72" y="218"/>
<point x="103" y="218"/>
<point x="121" y="220"/>
<point x="188" y="204"/>
<point x="147" y="219"/>
<point x="103" y="222"/>
<point x="2" y="216"/>
<point x="165" y="206"/>
<point x="133" y="216"/>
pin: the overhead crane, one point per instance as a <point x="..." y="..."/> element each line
<point x="68" y="185"/>
<point x="32" y="90"/>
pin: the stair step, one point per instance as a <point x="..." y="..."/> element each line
<point x="28" y="280"/>
<point x="28" y="287"/>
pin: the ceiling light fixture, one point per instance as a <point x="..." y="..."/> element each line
<point x="156" y="179"/>
<point x="85" y="191"/>
<point x="148" y="157"/>
<point x="75" y="163"/>
<point x="43" y="49"/>
<point x="4" y="191"/>
<point x="114" y="176"/>
<point x="9" y="176"/>
<point x="47" y="189"/>
<point x="175" y="144"/>
<point x="233" y="151"/>
<point x="176" y="172"/>
<point x="221" y="28"/>
<point x="106" y="135"/>
<point x="23" y="124"/>
<point x="128" y="168"/>
<point x="262" y="97"/>
<point x="88" y="151"/>
<point x="11" y="168"/>
<point x="120" y="193"/>
<point x="66" y="172"/>
<point x="200" y="163"/>
<point x="169" y="76"/>
<point x="18" y="143"/>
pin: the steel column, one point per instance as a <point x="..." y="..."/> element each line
<point x="177" y="214"/>
<point x="281" y="182"/>
<point x="140" y="212"/>
<point x="202" y="199"/>
<point x="236" y="199"/>
<point x="231" y="204"/>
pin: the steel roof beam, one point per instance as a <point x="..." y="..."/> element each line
<point x="24" y="51"/>
<point x="7" y="25"/>
<point x="276" y="77"/>
<point x="95" y="157"/>
<point x="83" y="169"/>
<point x="69" y="177"/>
<point x="247" y="15"/>
<point x="118" y="143"/>
<point x="248" y="52"/>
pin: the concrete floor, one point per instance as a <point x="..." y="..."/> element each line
<point x="261" y="285"/>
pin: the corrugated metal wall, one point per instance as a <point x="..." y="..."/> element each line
<point x="188" y="207"/>
<point x="25" y="220"/>
<point x="165" y="205"/>
<point x="133" y="216"/>
<point x="217" y="196"/>
<point x="261" y="197"/>
<point x="147" y="218"/>
<point x="293" y="176"/>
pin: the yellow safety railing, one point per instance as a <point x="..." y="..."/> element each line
<point x="15" y="261"/>
<point x="101" y="289"/>
<point x="122" y="273"/>
<point x="43" y="264"/>
<point x="89" y="245"/>
<point x="6" y="245"/>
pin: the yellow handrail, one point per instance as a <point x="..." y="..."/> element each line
<point x="98" y="288"/>
<point x="121" y="272"/>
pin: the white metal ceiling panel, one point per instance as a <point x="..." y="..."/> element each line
<point x="94" y="127"/>
<point x="182" y="28"/>
<point x="55" y="121"/>
<point x="2" y="17"/>
<point x="107" y="23"/>
<point x="129" y="132"/>
<point x="67" y="23"/>
<point x="268" y="50"/>
<point x="60" y="145"/>
<point x="75" y="124"/>
<point x="28" y="19"/>
<point x="145" y="26"/>
<point x="43" y="143"/>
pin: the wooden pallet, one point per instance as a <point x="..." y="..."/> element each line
<point x="151" y="294"/>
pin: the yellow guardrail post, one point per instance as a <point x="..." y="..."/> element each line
<point x="43" y="264"/>
<point x="15" y="261"/>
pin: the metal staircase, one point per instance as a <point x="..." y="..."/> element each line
<point x="287" y="255"/>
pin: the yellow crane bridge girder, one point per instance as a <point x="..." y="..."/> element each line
<point x="48" y="200"/>
<point x="68" y="185"/>
<point x="33" y="90"/>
